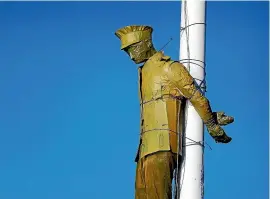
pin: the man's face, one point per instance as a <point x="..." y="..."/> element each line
<point x="138" y="52"/>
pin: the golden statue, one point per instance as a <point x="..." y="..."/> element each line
<point x="164" y="85"/>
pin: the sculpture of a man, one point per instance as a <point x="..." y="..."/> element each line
<point x="164" y="85"/>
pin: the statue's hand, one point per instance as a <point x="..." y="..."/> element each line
<point x="218" y="134"/>
<point x="223" y="119"/>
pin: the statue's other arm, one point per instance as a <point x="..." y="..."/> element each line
<point x="183" y="81"/>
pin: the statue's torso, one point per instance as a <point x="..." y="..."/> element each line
<point x="160" y="107"/>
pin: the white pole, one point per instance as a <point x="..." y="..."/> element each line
<point x="192" y="46"/>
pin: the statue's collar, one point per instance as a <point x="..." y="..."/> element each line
<point x="158" y="56"/>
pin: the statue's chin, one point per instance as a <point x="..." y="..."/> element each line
<point x="138" y="61"/>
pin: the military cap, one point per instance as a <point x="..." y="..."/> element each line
<point x="132" y="34"/>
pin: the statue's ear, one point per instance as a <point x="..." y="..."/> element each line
<point x="149" y="43"/>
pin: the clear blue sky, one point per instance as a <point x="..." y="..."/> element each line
<point x="69" y="110"/>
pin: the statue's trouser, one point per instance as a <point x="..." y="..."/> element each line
<point x="154" y="175"/>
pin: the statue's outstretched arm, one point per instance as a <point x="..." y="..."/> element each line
<point x="183" y="81"/>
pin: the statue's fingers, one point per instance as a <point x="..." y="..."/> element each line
<point x="224" y="119"/>
<point x="227" y="120"/>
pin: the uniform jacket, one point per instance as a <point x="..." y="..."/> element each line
<point x="164" y="85"/>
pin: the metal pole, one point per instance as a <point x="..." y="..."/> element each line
<point x="192" y="55"/>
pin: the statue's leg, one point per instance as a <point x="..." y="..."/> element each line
<point x="158" y="169"/>
<point x="140" y="192"/>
